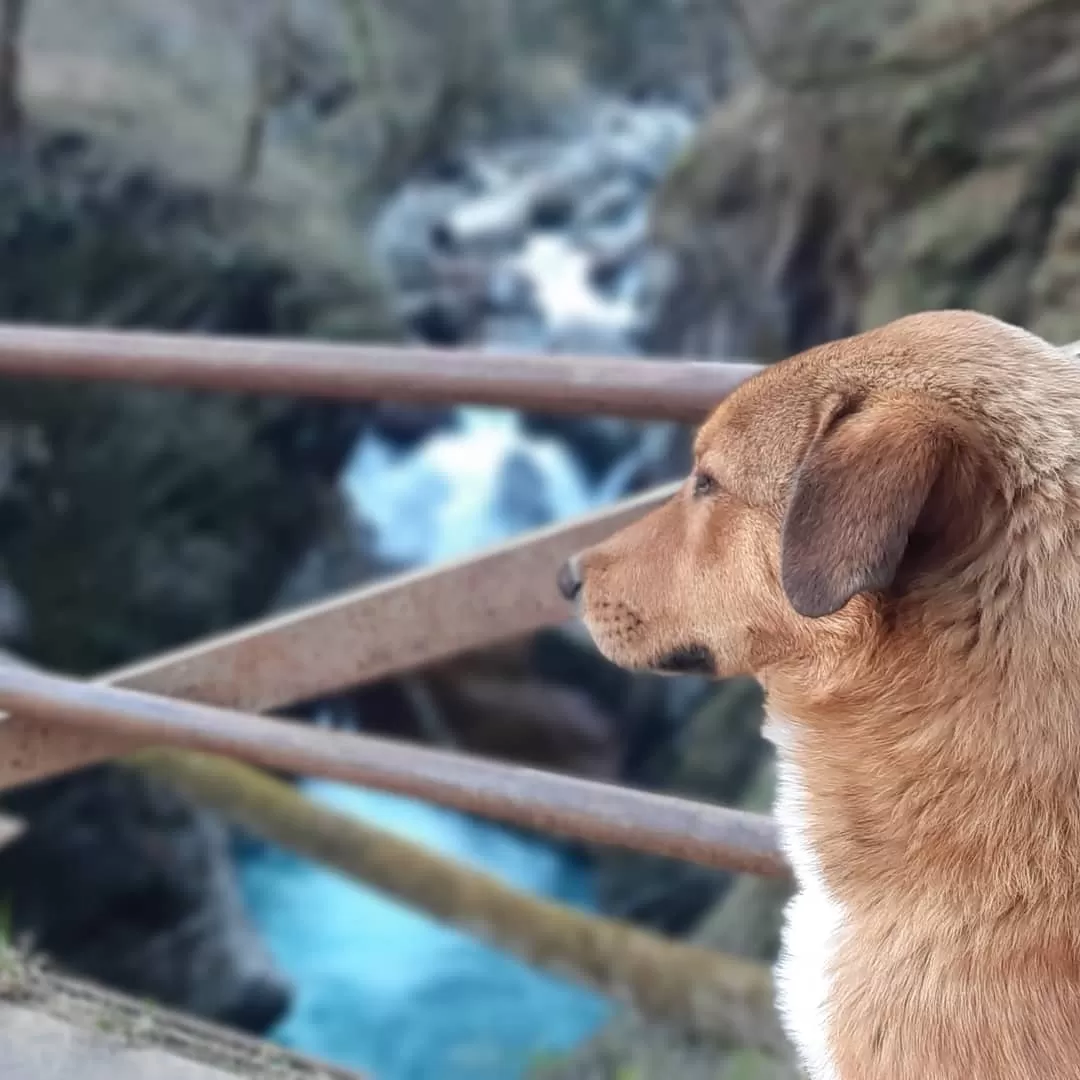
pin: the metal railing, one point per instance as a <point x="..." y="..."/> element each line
<point x="202" y="697"/>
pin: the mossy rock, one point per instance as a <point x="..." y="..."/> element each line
<point x="895" y="158"/>
<point x="134" y="519"/>
<point x="746" y="921"/>
<point x="943" y="253"/>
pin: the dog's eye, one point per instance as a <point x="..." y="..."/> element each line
<point x="705" y="485"/>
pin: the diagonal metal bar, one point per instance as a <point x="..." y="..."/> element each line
<point x="600" y="813"/>
<point x="374" y="632"/>
<point x="634" y="388"/>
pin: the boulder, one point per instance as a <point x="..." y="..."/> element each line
<point x="889" y="158"/>
<point x="135" y="520"/>
<point x="132" y="886"/>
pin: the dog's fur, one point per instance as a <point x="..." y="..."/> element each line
<point x="885" y="530"/>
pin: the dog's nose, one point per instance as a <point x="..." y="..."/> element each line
<point x="569" y="579"/>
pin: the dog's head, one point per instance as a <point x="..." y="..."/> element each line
<point x="826" y="494"/>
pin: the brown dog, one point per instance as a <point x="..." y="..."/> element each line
<point x="885" y="530"/>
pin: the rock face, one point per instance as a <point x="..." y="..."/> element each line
<point x="753" y="238"/>
<point x="892" y="158"/>
<point x="133" y="520"/>
<point x="643" y="46"/>
<point x="129" y="884"/>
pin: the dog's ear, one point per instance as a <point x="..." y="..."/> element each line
<point x="859" y="492"/>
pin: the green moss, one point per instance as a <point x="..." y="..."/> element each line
<point x="750" y="1065"/>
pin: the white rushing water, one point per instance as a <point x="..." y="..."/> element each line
<point x="482" y="481"/>
<point x="380" y="987"/>
<point x="558" y="276"/>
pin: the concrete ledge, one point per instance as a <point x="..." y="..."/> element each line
<point x="56" y="1028"/>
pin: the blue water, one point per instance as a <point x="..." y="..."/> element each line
<point x="379" y="987"/>
<point x="383" y="989"/>
<point x="479" y="483"/>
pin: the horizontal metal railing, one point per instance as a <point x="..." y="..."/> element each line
<point x="584" y="809"/>
<point x="637" y="389"/>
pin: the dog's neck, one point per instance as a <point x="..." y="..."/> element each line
<point x="930" y="802"/>
<point x="946" y="770"/>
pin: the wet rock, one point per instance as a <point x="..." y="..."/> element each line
<point x="682" y="736"/>
<point x="642" y="141"/>
<point x="403" y="243"/>
<point x="491" y="223"/>
<point x="805" y="215"/>
<point x="406" y="426"/>
<point x="657" y="49"/>
<point x="599" y="443"/>
<point x="445" y="318"/>
<point x="522" y="497"/>
<point x="544" y="196"/>
<point x="711" y="755"/>
<point x="615" y="248"/>
<point x="609" y="205"/>
<point x="339" y="558"/>
<point x="129" y="885"/>
<point x="530" y="722"/>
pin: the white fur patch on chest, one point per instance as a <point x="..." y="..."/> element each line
<point x="813" y="919"/>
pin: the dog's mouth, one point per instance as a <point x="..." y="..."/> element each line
<point x="687" y="660"/>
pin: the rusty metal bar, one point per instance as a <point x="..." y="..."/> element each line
<point x="599" y="813"/>
<point x="368" y="634"/>
<point x="634" y="388"/>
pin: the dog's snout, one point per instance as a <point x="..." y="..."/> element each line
<point x="569" y="578"/>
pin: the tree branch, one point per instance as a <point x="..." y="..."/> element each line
<point x="708" y="995"/>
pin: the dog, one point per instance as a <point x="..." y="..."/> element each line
<point x="885" y="531"/>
